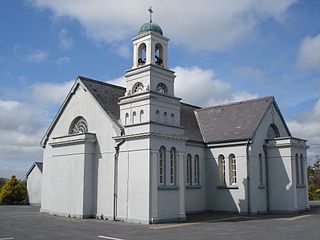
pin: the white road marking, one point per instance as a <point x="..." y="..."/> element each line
<point x="293" y="218"/>
<point x="105" y="237"/>
<point x="7" y="238"/>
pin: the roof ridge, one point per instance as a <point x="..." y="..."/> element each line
<point x="100" y="82"/>
<point x="191" y="105"/>
<point x="237" y="103"/>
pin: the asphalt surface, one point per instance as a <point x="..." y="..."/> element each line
<point x="26" y="222"/>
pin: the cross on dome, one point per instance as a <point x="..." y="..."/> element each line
<point x="150" y="11"/>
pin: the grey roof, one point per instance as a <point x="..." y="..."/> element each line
<point x="231" y="122"/>
<point x="189" y="121"/>
<point x="107" y="95"/>
<point x="38" y="164"/>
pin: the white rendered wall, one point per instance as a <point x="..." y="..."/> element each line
<point x="258" y="193"/>
<point x="83" y="104"/>
<point x="34" y="181"/>
<point x="196" y="196"/>
<point x="231" y="198"/>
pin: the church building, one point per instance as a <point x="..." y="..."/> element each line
<point x="140" y="154"/>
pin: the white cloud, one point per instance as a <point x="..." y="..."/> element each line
<point x="52" y="93"/>
<point x="309" y="53"/>
<point x="65" y="40"/>
<point x="121" y="81"/>
<point x="36" y="56"/>
<point x="205" y="25"/>
<point x="307" y="126"/>
<point x="21" y="127"/>
<point x="200" y="87"/>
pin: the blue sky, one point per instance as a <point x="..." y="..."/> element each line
<point x="221" y="51"/>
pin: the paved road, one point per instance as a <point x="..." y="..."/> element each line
<point x="26" y="222"/>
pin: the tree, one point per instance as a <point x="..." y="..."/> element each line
<point x="13" y="192"/>
<point x="314" y="181"/>
<point x="2" y="182"/>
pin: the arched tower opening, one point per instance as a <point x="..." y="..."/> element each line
<point x="159" y="54"/>
<point x="142" y="54"/>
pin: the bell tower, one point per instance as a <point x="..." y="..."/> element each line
<point x="150" y="116"/>
<point x="149" y="96"/>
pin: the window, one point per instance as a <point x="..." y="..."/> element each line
<point x="260" y="170"/>
<point x="196" y="170"/>
<point x="297" y="169"/>
<point x="138" y="87"/>
<point x="141" y="115"/>
<point x="157" y="115"/>
<point x="273" y="132"/>
<point x="232" y="169"/>
<point x="162" y="167"/>
<point x="222" y="169"/>
<point x="172" y="117"/>
<point x="189" y="170"/>
<point x="126" y="119"/>
<point x="165" y="117"/>
<point x="301" y="170"/>
<point x="134" y="115"/>
<point x="78" y="125"/>
<point x="173" y="162"/>
<point x="162" y="88"/>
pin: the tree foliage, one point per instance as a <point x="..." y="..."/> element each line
<point x="314" y="181"/>
<point x="2" y="182"/>
<point x="14" y="191"/>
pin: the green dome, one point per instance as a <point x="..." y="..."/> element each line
<point x="150" y="26"/>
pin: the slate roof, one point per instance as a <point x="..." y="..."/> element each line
<point x="38" y="164"/>
<point x="232" y="122"/>
<point x="107" y="95"/>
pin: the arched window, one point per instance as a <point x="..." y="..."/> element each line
<point x="196" y="170"/>
<point x="134" y="117"/>
<point x="126" y="119"/>
<point x="222" y="169"/>
<point x="78" y="125"/>
<point x="260" y="170"/>
<point x="141" y="115"/>
<point x="157" y="115"/>
<point x="138" y="87"/>
<point x="172" y="118"/>
<point x="297" y="169"/>
<point x="162" y="165"/>
<point x="232" y="169"/>
<point x="142" y="54"/>
<point x="159" y="54"/>
<point x="173" y="163"/>
<point x="301" y="170"/>
<point x="189" y="170"/>
<point x="162" y="88"/>
<point x="165" y="117"/>
<point x="273" y="132"/>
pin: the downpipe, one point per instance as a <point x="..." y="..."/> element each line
<point x="248" y="176"/>
<point x="115" y="180"/>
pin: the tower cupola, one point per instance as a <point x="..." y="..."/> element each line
<point x="150" y="46"/>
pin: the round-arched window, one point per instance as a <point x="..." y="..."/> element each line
<point x="138" y="87"/>
<point x="273" y="132"/>
<point x="162" y="88"/>
<point x="78" y="125"/>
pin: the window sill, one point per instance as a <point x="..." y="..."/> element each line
<point x="168" y="187"/>
<point x="301" y="186"/>
<point x="261" y="187"/>
<point x="227" y="187"/>
<point x="193" y="187"/>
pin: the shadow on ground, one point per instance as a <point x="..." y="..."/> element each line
<point x="233" y="217"/>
